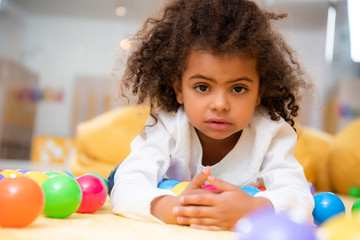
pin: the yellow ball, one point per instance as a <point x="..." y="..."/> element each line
<point x="62" y="173"/>
<point x="38" y="177"/>
<point x="8" y="173"/>
<point x="179" y="188"/>
<point x="340" y="227"/>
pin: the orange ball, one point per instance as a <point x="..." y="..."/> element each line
<point x="21" y="201"/>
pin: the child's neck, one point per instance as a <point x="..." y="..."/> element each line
<point x="215" y="150"/>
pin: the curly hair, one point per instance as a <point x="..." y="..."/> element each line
<point x="222" y="27"/>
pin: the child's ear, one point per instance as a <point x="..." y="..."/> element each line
<point x="258" y="100"/>
<point x="178" y="92"/>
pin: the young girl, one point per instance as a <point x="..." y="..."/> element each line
<point x="223" y="86"/>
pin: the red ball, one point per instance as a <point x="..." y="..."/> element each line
<point x="94" y="193"/>
<point x="21" y="201"/>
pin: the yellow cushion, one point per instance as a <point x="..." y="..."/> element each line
<point x="311" y="151"/>
<point x="344" y="158"/>
<point x="103" y="142"/>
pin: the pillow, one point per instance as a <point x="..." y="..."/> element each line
<point x="311" y="151"/>
<point x="344" y="158"/>
<point x="104" y="142"/>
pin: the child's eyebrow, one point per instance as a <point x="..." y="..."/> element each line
<point x="231" y="81"/>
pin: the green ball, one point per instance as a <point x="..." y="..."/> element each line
<point x="52" y="173"/>
<point x="356" y="207"/>
<point x="62" y="196"/>
<point x="354" y="192"/>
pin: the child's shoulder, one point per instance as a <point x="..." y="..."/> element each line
<point x="262" y="123"/>
<point x="171" y="121"/>
<point x="169" y="118"/>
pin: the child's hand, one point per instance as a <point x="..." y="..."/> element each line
<point x="195" y="186"/>
<point x="218" y="211"/>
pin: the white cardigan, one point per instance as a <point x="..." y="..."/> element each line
<point x="171" y="148"/>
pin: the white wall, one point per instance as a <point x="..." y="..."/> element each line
<point x="11" y="31"/>
<point x="310" y="47"/>
<point x="58" y="50"/>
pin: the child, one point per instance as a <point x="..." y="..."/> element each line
<point x="225" y="89"/>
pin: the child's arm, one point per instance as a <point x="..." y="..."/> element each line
<point x="220" y="211"/>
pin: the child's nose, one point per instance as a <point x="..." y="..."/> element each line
<point x="219" y="102"/>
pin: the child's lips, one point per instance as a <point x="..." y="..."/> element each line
<point x="218" y="124"/>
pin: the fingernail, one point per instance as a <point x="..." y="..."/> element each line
<point x="205" y="169"/>
<point x="211" y="177"/>
<point x="180" y="219"/>
<point x="175" y="210"/>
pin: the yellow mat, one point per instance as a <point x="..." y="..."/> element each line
<point x="105" y="225"/>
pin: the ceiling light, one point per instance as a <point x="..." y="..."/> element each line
<point x="125" y="44"/>
<point x="120" y="11"/>
<point x="354" y="19"/>
<point x="330" y="34"/>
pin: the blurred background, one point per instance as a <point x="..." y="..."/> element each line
<point x="57" y="60"/>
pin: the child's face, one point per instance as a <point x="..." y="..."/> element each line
<point x="219" y="93"/>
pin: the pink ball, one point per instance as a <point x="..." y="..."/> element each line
<point x="209" y="187"/>
<point x="94" y="193"/>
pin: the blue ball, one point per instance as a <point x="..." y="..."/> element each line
<point x="23" y="171"/>
<point x="250" y="190"/>
<point x="327" y="205"/>
<point x="69" y="174"/>
<point x="168" y="184"/>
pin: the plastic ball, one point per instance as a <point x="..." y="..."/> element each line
<point x="250" y="190"/>
<point x="312" y="189"/>
<point x="327" y="205"/>
<point x="1" y="177"/>
<point x="101" y="178"/>
<point x="62" y="196"/>
<point x="179" y="188"/>
<point x="356" y="207"/>
<point x="264" y="224"/>
<point x="67" y="173"/>
<point x="54" y="173"/>
<point x="21" y="201"/>
<point x="210" y="187"/>
<point x="340" y="227"/>
<point x="354" y="192"/>
<point x="63" y="173"/>
<point x="23" y="171"/>
<point x="8" y="173"/>
<point x="94" y="193"/>
<point x="38" y="177"/>
<point x="168" y="184"/>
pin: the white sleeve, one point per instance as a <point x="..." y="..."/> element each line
<point x="136" y="179"/>
<point x="284" y="178"/>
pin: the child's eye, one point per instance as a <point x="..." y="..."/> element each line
<point x="239" y="89"/>
<point x="202" y="88"/>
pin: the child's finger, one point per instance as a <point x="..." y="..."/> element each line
<point x="199" y="199"/>
<point x="197" y="221"/>
<point x="221" y="185"/>
<point x="200" y="178"/>
<point x="194" y="211"/>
